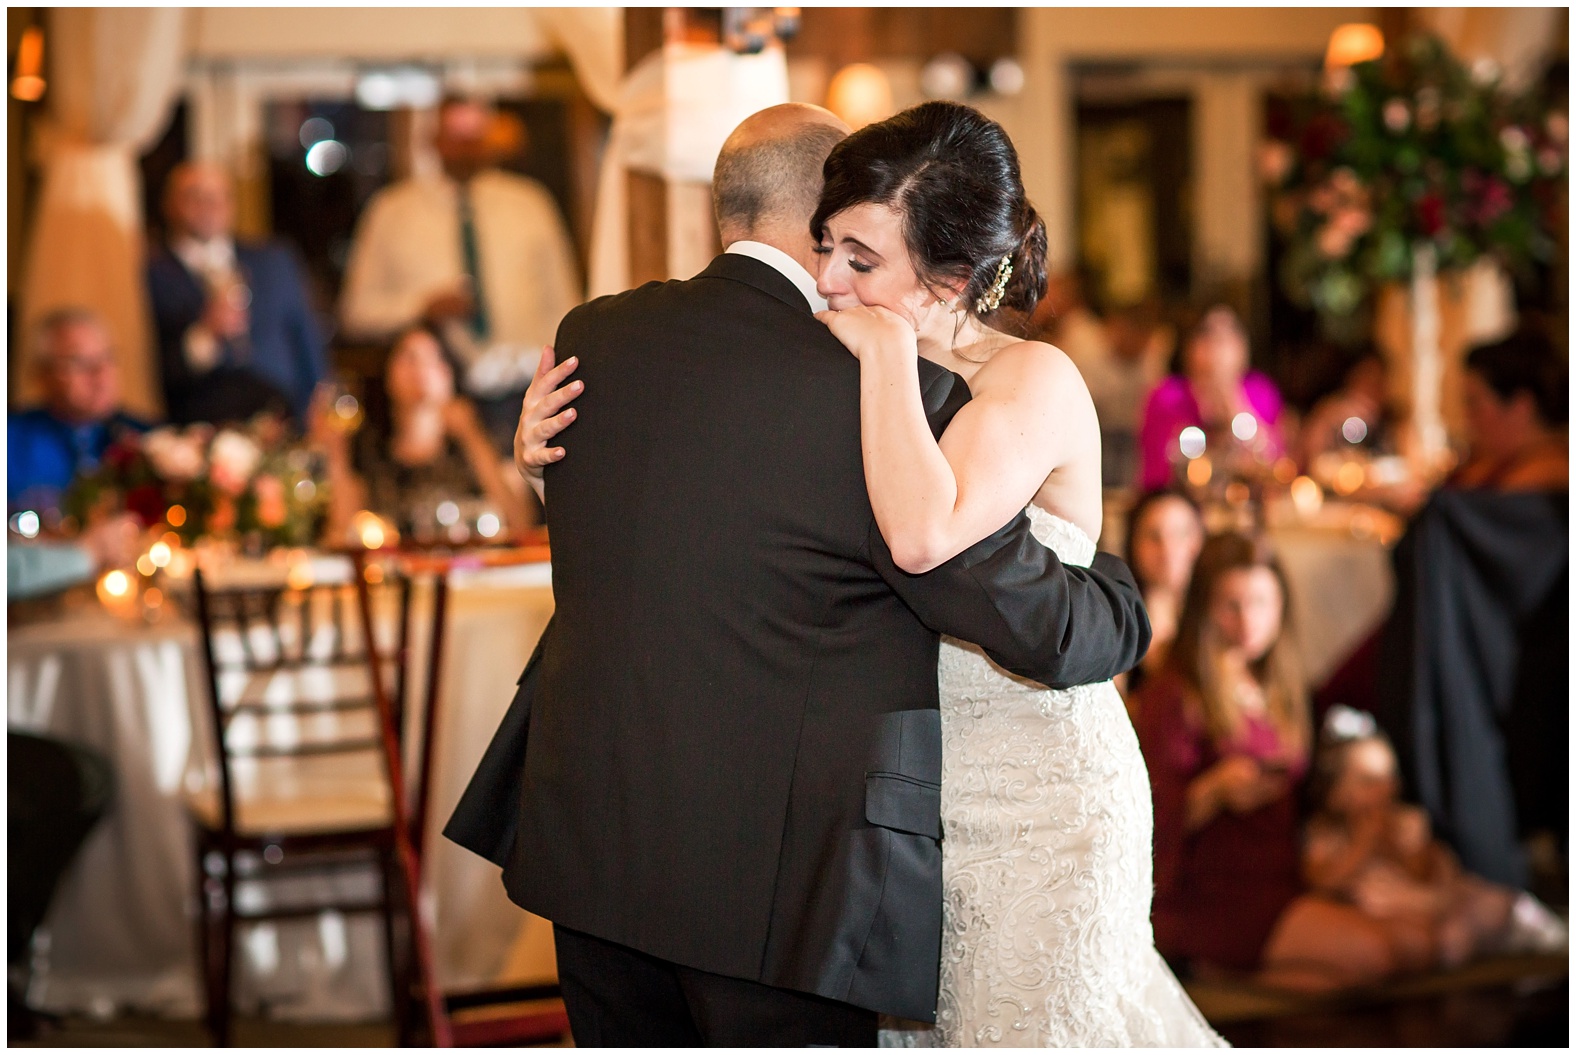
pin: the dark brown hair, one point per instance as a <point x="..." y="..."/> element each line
<point x="953" y="175"/>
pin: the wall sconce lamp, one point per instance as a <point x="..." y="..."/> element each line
<point x="27" y="84"/>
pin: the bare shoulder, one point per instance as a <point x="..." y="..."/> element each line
<point x="1036" y="371"/>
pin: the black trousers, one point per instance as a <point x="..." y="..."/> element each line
<point x="55" y="793"/>
<point x="619" y="997"/>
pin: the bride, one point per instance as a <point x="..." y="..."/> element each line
<point x="929" y="247"/>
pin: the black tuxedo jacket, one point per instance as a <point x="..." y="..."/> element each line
<point x="726" y="751"/>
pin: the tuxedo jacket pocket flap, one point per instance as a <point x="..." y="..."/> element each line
<point x="903" y="804"/>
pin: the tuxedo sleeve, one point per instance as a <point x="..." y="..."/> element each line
<point x="1033" y="615"/>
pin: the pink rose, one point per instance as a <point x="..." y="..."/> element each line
<point x="271" y="508"/>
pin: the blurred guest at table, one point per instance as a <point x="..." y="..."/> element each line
<point x="56" y="792"/>
<point x="479" y="254"/>
<point x="1356" y="414"/>
<point x="431" y="450"/>
<point x="1367" y="848"/>
<point x="1212" y="389"/>
<point x="1517" y="404"/>
<point x="35" y="569"/>
<point x="1119" y="384"/>
<point x="1165" y="532"/>
<point x="48" y="446"/>
<point x="1226" y="736"/>
<point x="235" y="328"/>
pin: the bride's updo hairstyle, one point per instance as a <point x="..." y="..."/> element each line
<point x="953" y="175"/>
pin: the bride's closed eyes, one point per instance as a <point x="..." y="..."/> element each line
<point x="853" y="261"/>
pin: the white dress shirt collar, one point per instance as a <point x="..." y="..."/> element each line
<point x="790" y="268"/>
<point x="215" y="256"/>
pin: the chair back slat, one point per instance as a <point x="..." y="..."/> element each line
<point x="294" y="672"/>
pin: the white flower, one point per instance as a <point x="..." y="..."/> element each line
<point x="233" y="459"/>
<point x="1485" y="71"/>
<point x="175" y="456"/>
<point x="1514" y="139"/>
<point x="1397" y="116"/>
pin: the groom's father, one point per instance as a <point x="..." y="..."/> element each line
<point x="729" y="803"/>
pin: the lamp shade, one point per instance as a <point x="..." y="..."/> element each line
<point x="860" y="94"/>
<point x="1353" y="43"/>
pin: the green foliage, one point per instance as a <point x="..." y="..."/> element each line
<point x="1404" y="151"/>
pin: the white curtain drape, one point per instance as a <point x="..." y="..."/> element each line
<point x="593" y="38"/>
<point x="675" y="109"/>
<point x="114" y="77"/>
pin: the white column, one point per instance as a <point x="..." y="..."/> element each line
<point x="1047" y="152"/>
<point x="1228" y="215"/>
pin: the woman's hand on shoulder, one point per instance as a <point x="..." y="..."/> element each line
<point x="542" y="415"/>
<point x="871" y="330"/>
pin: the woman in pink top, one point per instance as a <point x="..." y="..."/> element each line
<point x="1214" y="387"/>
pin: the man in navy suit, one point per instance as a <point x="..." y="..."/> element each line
<point x="236" y="333"/>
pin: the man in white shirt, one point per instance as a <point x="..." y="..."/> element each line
<point x="479" y="254"/>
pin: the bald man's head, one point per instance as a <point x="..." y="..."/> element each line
<point x="768" y="176"/>
<point x="198" y="202"/>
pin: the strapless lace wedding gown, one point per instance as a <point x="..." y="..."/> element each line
<point x="1047" y="863"/>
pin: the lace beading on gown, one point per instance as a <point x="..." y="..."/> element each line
<point x="1047" y="863"/>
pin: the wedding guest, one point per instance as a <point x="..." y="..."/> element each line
<point x="1363" y="398"/>
<point x="478" y="254"/>
<point x="1368" y="849"/>
<point x="56" y="791"/>
<point x="235" y="327"/>
<point x="1165" y="532"/>
<point x="1213" y="387"/>
<point x="432" y="449"/>
<point x="1517" y="404"/>
<point x="1226" y="737"/>
<point x="48" y="446"/>
<point x="36" y="569"/>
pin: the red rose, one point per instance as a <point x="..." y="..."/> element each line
<point x="1431" y="214"/>
<point x="147" y="504"/>
<point x="121" y="455"/>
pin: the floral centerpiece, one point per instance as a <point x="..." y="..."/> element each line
<point x="246" y="484"/>
<point x="1415" y="150"/>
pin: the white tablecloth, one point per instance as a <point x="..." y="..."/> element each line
<point x="120" y="933"/>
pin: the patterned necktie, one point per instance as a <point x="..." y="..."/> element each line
<point x="473" y="263"/>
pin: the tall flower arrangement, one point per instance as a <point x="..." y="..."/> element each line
<point x="1406" y="151"/>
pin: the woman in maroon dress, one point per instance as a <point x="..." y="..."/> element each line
<point x="1225" y="734"/>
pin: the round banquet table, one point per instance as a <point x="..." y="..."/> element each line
<point x="120" y="934"/>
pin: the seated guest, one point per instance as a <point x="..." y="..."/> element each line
<point x="1366" y="848"/>
<point x="37" y="569"/>
<point x="1363" y="395"/>
<point x="1225" y="734"/>
<point x="1165" y="531"/>
<point x="1469" y="675"/>
<point x="235" y="330"/>
<point x="432" y="449"/>
<point x="1517" y="405"/>
<point x="56" y="791"/>
<point x="1212" y="388"/>
<point x="47" y="447"/>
